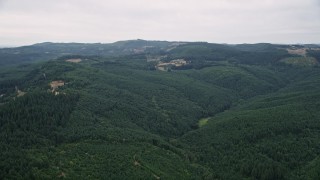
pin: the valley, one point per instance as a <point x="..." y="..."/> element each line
<point x="215" y="111"/>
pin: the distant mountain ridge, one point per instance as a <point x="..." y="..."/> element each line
<point x="48" y="50"/>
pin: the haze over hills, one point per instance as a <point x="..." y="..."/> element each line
<point x="47" y="50"/>
<point x="160" y="110"/>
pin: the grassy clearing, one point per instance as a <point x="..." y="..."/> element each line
<point x="203" y="122"/>
<point x="301" y="61"/>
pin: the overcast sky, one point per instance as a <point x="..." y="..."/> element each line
<point x="221" y="21"/>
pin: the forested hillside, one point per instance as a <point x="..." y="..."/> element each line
<point x="160" y="110"/>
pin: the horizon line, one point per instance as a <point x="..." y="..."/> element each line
<point x="74" y="42"/>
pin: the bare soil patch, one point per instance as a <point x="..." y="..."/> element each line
<point x="21" y="93"/>
<point x="301" y="52"/>
<point x="74" y="60"/>
<point x="162" y="66"/>
<point x="55" y="84"/>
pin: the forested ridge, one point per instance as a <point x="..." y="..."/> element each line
<point x="110" y="112"/>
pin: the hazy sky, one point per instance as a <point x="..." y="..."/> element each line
<point x="221" y="21"/>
